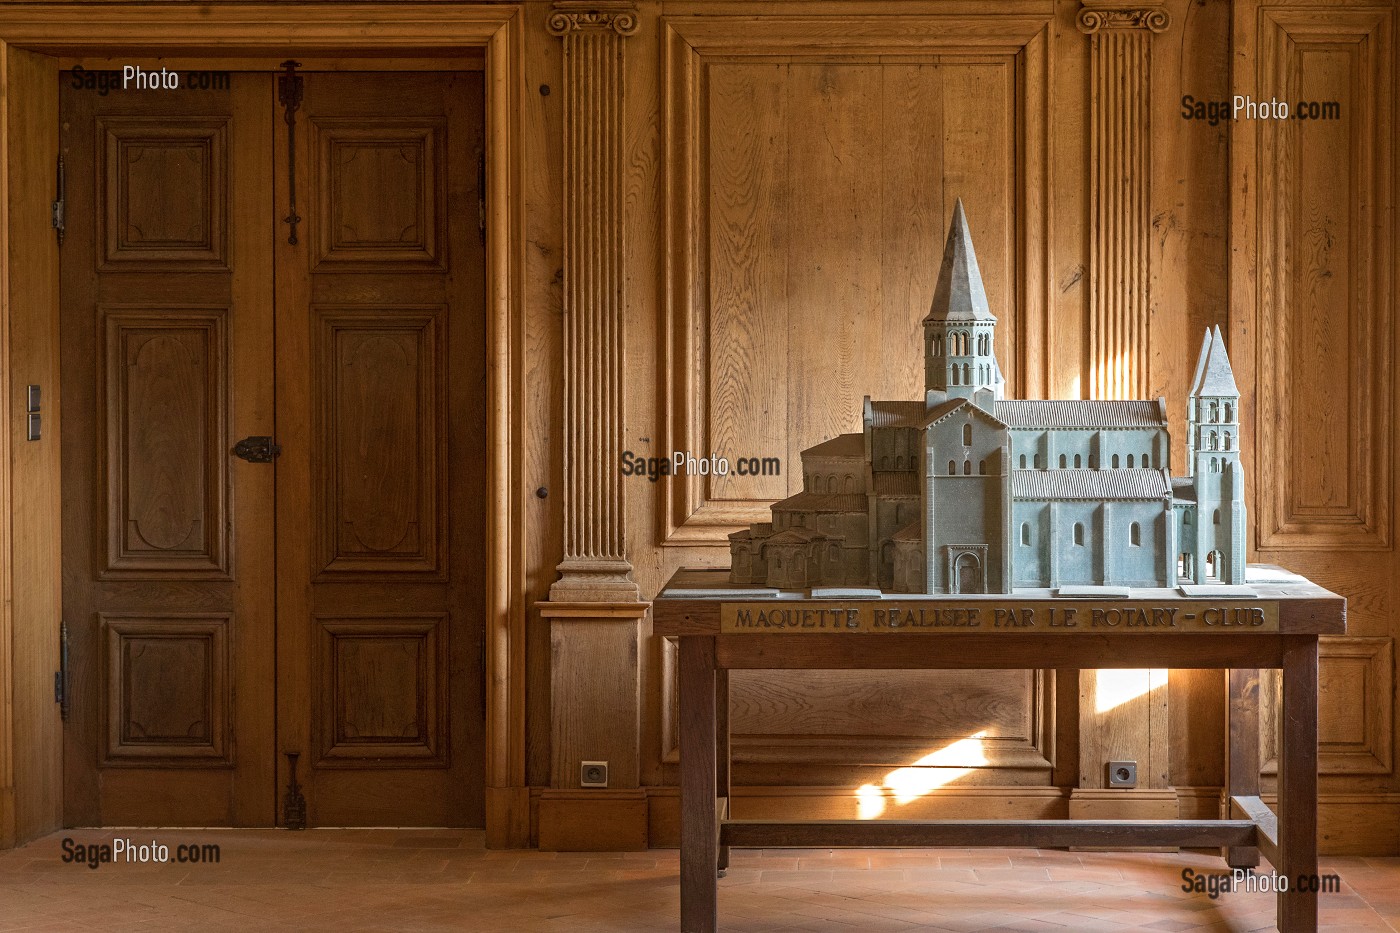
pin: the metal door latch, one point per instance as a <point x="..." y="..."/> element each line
<point x="257" y="449"/>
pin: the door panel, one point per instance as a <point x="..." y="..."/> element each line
<point x="381" y="355"/>
<point x="166" y="304"/>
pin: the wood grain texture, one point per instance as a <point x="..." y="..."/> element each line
<point x="755" y="834"/>
<point x="1297" y="786"/>
<point x="699" y="827"/>
<point x="595" y="564"/>
<point x="806" y="190"/>
<point x="32" y="738"/>
<point x="1242" y="754"/>
<point x="1325" y="313"/>
<point x="596" y="688"/>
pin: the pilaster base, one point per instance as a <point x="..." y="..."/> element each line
<point x="596" y="581"/>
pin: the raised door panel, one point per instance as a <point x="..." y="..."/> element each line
<point x="381" y="686"/>
<point x="163" y="193"/>
<point x="169" y="690"/>
<point x="401" y="228"/>
<point x="380" y="452"/>
<point x="164" y="400"/>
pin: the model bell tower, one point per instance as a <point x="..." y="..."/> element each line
<point x="960" y="330"/>
<point x="1214" y="461"/>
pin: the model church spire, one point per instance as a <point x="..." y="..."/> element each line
<point x="959" y="330"/>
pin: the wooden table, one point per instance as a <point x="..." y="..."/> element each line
<point x="723" y="627"/>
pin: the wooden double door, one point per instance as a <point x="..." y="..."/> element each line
<point x="273" y="400"/>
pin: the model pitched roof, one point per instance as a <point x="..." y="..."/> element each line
<point x="959" y="295"/>
<point x="822" y="502"/>
<point x="896" y="414"/>
<point x="844" y="445"/>
<point x="899" y="483"/>
<point x="944" y="409"/>
<point x="1090" y="484"/>
<point x="1213" y="373"/>
<point x="1081" y="413"/>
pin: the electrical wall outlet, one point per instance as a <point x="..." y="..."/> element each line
<point x="1122" y="774"/>
<point x="593" y="774"/>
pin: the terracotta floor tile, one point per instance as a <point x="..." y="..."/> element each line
<point x="436" y="879"/>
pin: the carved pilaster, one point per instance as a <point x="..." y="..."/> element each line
<point x="595" y="565"/>
<point x="1120" y="188"/>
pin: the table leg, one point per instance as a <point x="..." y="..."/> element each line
<point x="699" y="841"/>
<point x="1241" y="752"/>
<point x="1297" y="787"/>
<point x="722" y="754"/>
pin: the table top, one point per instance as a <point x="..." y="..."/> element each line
<point x="1273" y="601"/>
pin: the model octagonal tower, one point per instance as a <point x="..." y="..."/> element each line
<point x="965" y="491"/>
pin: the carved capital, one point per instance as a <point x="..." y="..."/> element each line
<point x="1095" y="17"/>
<point x="582" y="16"/>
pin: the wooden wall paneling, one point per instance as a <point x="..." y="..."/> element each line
<point x="1326" y="301"/>
<point x="7" y="764"/>
<point x="749" y="281"/>
<point x="32" y="468"/>
<point x="544" y="455"/>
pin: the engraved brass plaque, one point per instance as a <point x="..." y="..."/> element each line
<point x="994" y="615"/>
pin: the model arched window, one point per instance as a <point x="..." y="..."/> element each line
<point x="1229" y="412"/>
<point x="1135" y="535"/>
<point x="1227" y="440"/>
<point x="1214" y="411"/>
<point x="1064" y="461"/>
<point x="952" y="468"/>
<point x="967" y="468"/>
<point x="955" y="375"/>
<point x="938" y="346"/>
<point x="967" y="374"/>
<point x="1115" y="461"/>
<point x="981" y="468"/>
<point x="1130" y="461"/>
<point x="850" y="485"/>
<point x="1037" y="461"/>
<point x="967" y="435"/>
<point x="1147" y="460"/>
<point x="1079" y="533"/>
<point x="1214" y="441"/>
<point x="1025" y="534"/>
<point x="1078" y="461"/>
<point x="1023" y="461"/>
<point x="1216" y="519"/>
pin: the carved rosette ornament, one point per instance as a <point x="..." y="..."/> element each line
<point x="1120" y="192"/>
<point x="595" y="566"/>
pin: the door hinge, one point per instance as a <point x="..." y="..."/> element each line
<point x="481" y="194"/>
<point x="56" y="217"/>
<point x="60" y="677"/>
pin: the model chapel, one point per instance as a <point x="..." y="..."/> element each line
<point x="965" y="491"/>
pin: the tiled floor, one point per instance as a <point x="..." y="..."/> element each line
<point x="447" y="880"/>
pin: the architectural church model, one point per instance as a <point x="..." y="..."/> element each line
<point x="965" y="491"/>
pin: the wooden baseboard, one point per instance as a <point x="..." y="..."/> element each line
<point x="1348" y="824"/>
<point x="593" y="820"/>
<point x="1146" y="803"/>
<point x="508" y="818"/>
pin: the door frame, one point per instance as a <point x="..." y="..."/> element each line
<point x="35" y="39"/>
